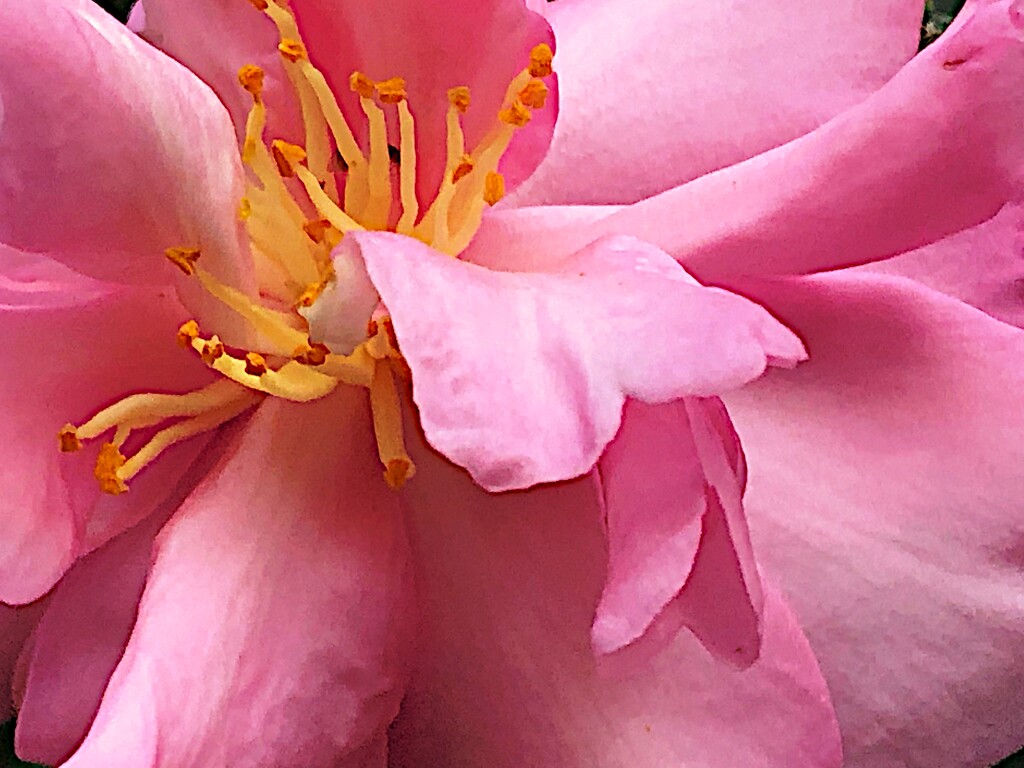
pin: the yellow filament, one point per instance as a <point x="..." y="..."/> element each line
<point x="407" y="171"/>
<point x="140" y="411"/>
<point x="272" y="325"/>
<point x="197" y="425"/>
<point x="324" y="205"/>
<point x="433" y="229"/>
<point x="378" y="205"/>
<point x="387" y="427"/>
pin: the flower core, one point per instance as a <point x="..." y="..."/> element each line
<point x="299" y="203"/>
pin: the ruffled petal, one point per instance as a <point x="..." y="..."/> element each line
<point x="885" y="492"/>
<point x="274" y="626"/>
<point x="521" y="378"/>
<point x="509" y="584"/>
<point x="111" y="152"/>
<point x="699" y="86"/>
<point x="983" y="266"/>
<point x="80" y="640"/>
<point x="679" y="548"/>
<point x="65" y="358"/>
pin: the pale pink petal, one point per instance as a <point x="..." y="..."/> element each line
<point x="658" y="93"/>
<point x="679" y="549"/>
<point x="16" y="625"/>
<point x="870" y="184"/>
<point x="275" y="623"/>
<point x="507" y="678"/>
<point x="216" y="38"/>
<point x="109" y="151"/>
<point x="80" y="640"/>
<point x="65" y="359"/>
<point x="885" y="492"/>
<point x="983" y="266"/>
<point x="521" y="377"/>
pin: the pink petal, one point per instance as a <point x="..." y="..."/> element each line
<point x="509" y="584"/>
<point x="700" y="86"/>
<point x="79" y="642"/>
<point x="63" y="363"/>
<point x="885" y="491"/>
<point x="215" y="39"/>
<point x="110" y="152"/>
<point x="274" y="626"/>
<point x="983" y="266"/>
<point x="521" y="378"/>
<point x="679" y="549"/>
<point x="870" y="184"/>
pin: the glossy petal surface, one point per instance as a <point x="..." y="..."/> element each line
<point x="699" y="86"/>
<point x="885" y="491"/>
<point x="509" y="584"/>
<point x="275" y="622"/>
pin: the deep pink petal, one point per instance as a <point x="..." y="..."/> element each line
<point x="885" y="492"/>
<point x="111" y="152"/>
<point x="521" y="377"/>
<point x="679" y="549"/>
<point x="16" y="625"/>
<point x="983" y="266"/>
<point x="80" y="640"/>
<point x="658" y="93"/>
<point x="65" y="359"/>
<point x="509" y="584"/>
<point x="274" y="625"/>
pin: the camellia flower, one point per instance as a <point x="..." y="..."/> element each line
<point x="275" y="623"/>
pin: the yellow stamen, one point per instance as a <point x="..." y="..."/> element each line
<point x="324" y="205"/>
<point x="535" y="94"/>
<point x="407" y="171"/>
<point x="387" y="427"/>
<point x="516" y="114"/>
<point x="458" y="97"/>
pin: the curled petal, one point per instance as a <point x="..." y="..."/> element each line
<point x="679" y="548"/>
<point x="521" y="377"/>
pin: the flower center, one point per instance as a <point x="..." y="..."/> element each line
<point x="295" y="212"/>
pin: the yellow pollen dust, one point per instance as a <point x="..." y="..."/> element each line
<point x="300" y="200"/>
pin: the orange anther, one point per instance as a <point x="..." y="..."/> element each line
<point x="68" y="439"/>
<point x="540" y="60"/>
<point x="251" y="78"/>
<point x="292" y="50"/>
<point x="494" y="188"/>
<point x="458" y="97"/>
<point x="255" y="364"/>
<point x="183" y="258"/>
<point x="517" y="114"/>
<point x="212" y="351"/>
<point x="259" y="5"/>
<point x="187" y="333"/>
<point x="314" y="353"/>
<point x="287" y="156"/>
<point x="463" y="168"/>
<point x="361" y="84"/>
<point x="396" y="473"/>
<point x="535" y="94"/>
<point x="392" y="90"/>
<point x="109" y="460"/>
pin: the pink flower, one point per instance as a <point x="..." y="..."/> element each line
<point x="274" y="627"/>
